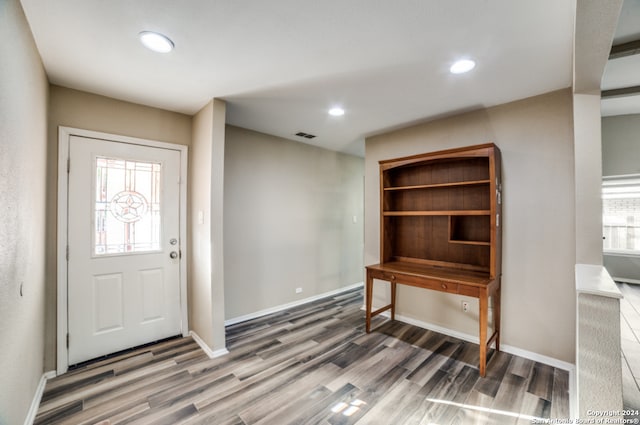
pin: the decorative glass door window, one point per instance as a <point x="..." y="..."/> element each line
<point x="127" y="206"/>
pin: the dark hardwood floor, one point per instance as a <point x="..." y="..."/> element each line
<point x="307" y="365"/>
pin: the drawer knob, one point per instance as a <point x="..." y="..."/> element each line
<point x="444" y="286"/>
<point x="393" y="277"/>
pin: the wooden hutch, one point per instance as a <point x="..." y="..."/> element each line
<point x="440" y="229"/>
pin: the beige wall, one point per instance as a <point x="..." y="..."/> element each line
<point x="289" y="211"/>
<point x="218" y="146"/>
<point x="620" y="146"/>
<point x="620" y="153"/>
<point x="23" y="150"/>
<point x="73" y="108"/>
<point x="588" y="178"/>
<point x="206" y="289"/>
<point x="200" y="204"/>
<point x="538" y="298"/>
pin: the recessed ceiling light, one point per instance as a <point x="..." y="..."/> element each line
<point x="156" y="42"/>
<point x="462" y="66"/>
<point x="336" y="112"/>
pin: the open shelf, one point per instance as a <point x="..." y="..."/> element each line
<point x="470" y="230"/>
<point x="440" y="208"/>
<point x="478" y="243"/>
<point x="441" y="197"/>
<point x="452" y="171"/>
<point x="439" y="185"/>
<point x="444" y="213"/>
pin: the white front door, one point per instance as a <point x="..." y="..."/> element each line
<point x="123" y="246"/>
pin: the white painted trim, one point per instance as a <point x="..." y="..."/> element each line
<point x="594" y="279"/>
<point x="205" y="347"/>
<point x="35" y="402"/>
<point x="569" y="367"/>
<point x="551" y="361"/>
<point x="279" y="308"/>
<point x="64" y="135"/>
<point x="62" y="356"/>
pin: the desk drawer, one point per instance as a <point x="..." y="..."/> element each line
<point x="383" y="275"/>
<point x="421" y="282"/>
<point x="437" y="285"/>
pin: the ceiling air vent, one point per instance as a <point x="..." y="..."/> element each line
<point x="305" y="135"/>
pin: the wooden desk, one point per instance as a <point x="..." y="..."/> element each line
<point x="463" y="282"/>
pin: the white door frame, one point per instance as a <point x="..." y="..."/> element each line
<point x="64" y="135"/>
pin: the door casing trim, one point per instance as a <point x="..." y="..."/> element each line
<point x="64" y="135"/>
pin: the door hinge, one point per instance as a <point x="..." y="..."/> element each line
<point x="67" y="340"/>
<point x="68" y="165"/>
<point x="67" y="253"/>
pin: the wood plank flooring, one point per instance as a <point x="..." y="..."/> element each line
<point x="312" y="364"/>
<point x="630" y="341"/>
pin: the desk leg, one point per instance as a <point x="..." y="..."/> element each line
<point x="393" y="300"/>
<point x="495" y="300"/>
<point x="369" y="296"/>
<point x="484" y="313"/>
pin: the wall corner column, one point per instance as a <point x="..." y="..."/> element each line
<point x="588" y="178"/>
<point x="219" y="108"/>
<point x="206" y="197"/>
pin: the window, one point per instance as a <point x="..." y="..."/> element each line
<point x="127" y="206"/>
<point x="621" y="214"/>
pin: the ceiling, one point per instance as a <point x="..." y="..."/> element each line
<point x="281" y="64"/>
<point x="624" y="72"/>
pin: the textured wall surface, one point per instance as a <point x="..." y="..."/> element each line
<point x="23" y="150"/>
<point x="289" y="221"/>
<point x="599" y="354"/>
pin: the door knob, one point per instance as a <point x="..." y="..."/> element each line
<point x="173" y="255"/>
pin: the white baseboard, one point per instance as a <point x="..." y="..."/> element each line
<point x="203" y="345"/>
<point x="626" y="280"/>
<point x="276" y="309"/>
<point x="569" y="367"/>
<point x="35" y="403"/>
<point x="536" y="357"/>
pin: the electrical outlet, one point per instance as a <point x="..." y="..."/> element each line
<point x="298" y="290"/>
<point x="465" y="306"/>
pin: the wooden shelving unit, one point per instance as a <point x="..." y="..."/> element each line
<point x="440" y="229"/>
